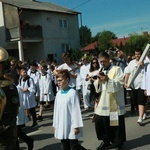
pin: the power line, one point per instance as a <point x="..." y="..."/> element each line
<point x="82" y="4"/>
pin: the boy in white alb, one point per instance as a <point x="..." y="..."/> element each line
<point x="46" y="89"/>
<point x="67" y="120"/>
<point x="34" y="74"/>
<point x="27" y="86"/>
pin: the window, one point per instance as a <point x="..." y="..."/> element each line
<point x="65" y="47"/>
<point x="63" y="23"/>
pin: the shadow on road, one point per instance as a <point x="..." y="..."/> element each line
<point x="139" y="142"/>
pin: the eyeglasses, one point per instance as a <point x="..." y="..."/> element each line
<point x="103" y="61"/>
<point x="94" y="62"/>
<point x="60" y="80"/>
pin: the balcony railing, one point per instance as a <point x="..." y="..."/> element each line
<point x="31" y="31"/>
<point x="27" y="32"/>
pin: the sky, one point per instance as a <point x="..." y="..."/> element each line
<point x="122" y="17"/>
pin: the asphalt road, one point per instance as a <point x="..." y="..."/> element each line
<point x="138" y="137"/>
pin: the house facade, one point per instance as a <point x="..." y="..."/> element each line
<point x="37" y="30"/>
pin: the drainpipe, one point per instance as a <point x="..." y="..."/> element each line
<point x="20" y="42"/>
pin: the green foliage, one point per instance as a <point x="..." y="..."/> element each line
<point x="85" y="36"/>
<point x="136" y="41"/>
<point x="104" y="40"/>
<point x="76" y="54"/>
<point x="96" y="37"/>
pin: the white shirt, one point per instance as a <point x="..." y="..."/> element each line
<point x="35" y="77"/>
<point x="29" y="96"/>
<point x="72" y="82"/>
<point x="84" y="70"/>
<point x="130" y="69"/>
<point x="46" y="89"/>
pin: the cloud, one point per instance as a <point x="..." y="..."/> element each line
<point x="124" y="26"/>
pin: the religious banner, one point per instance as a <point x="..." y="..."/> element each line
<point x="135" y="72"/>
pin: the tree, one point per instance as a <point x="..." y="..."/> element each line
<point x="136" y="41"/>
<point x="76" y="54"/>
<point x="85" y="36"/>
<point x="96" y="37"/>
<point x="104" y="40"/>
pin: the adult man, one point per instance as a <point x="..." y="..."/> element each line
<point x="109" y="120"/>
<point x="9" y="103"/>
<point x="137" y="94"/>
<point x="70" y="66"/>
<point x="84" y="70"/>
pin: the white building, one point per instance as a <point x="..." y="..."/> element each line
<point x="37" y="30"/>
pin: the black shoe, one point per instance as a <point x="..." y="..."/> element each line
<point x="31" y="144"/>
<point x="120" y="147"/>
<point x="23" y="127"/>
<point x="103" y="146"/>
<point x="34" y="125"/>
<point x="114" y="146"/>
<point x="39" y="118"/>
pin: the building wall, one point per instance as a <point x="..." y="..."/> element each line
<point x="2" y="27"/>
<point x="54" y="37"/>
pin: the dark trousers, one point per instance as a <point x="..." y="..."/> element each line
<point x="68" y="144"/>
<point x="138" y="97"/>
<point x="8" y="139"/>
<point x="33" y="114"/>
<point x="23" y="137"/>
<point x="107" y="133"/>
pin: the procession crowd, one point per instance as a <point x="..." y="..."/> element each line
<point x="100" y="85"/>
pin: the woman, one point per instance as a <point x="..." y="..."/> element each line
<point x="91" y="77"/>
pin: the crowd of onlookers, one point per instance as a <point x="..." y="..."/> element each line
<point x="37" y="84"/>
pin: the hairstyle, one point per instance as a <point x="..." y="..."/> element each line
<point x="52" y="67"/>
<point x="13" y="61"/>
<point x="19" y="63"/>
<point x="63" y="73"/>
<point x="104" y="54"/>
<point x="138" y="50"/>
<point x="42" y="62"/>
<point x="68" y="55"/>
<point x="44" y="66"/>
<point x="54" y="61"/>
<point x="23" y="69"/>
<point x="33" y="63"/>
<point x="91" y="65"/>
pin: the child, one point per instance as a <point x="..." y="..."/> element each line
<point x="21" y="120"/>
<point x="46" y="89"/>
<point x="27" y="87"/>
<point x="67" y="120"/>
